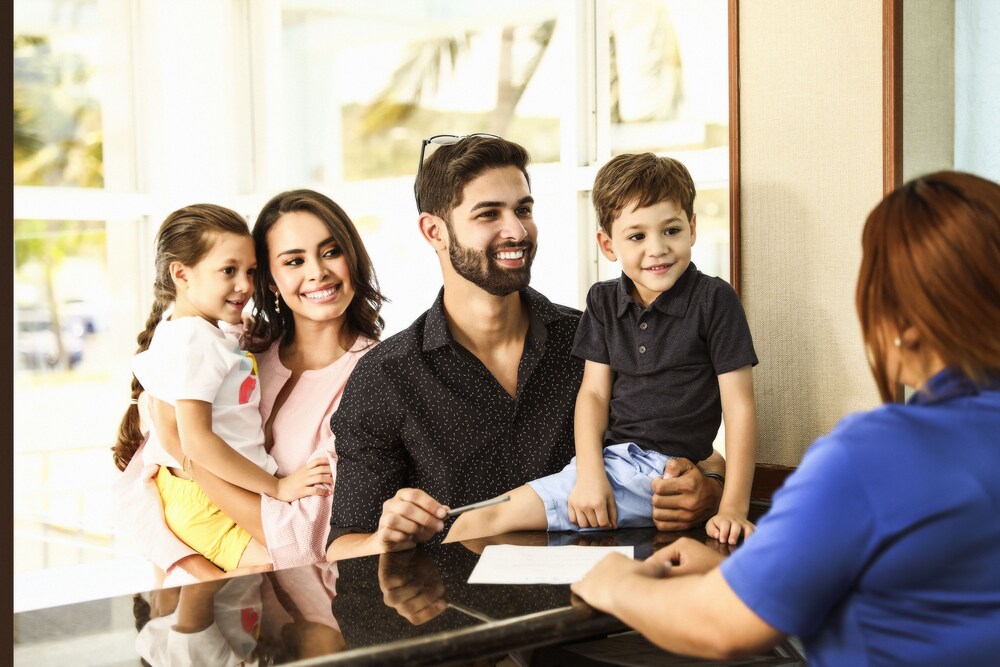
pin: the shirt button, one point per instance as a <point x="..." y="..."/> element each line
<point x="643" y="326"/>
<point x="642" y="349"/>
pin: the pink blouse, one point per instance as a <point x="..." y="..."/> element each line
<point x="296" y="532"/>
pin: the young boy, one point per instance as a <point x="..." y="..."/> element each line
<point x="668" y="353"/>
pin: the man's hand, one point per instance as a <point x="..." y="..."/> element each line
<point x="408" y="518"/>
<point x="411" y="584"/>
<point x="591" y="503"/>
<point x="683" y="497"/>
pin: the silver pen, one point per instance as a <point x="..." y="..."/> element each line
<point x="475" y="506"/>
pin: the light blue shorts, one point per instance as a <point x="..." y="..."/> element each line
<point x="630" y="470"/>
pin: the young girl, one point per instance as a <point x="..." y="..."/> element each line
<point x="204" y="267"/>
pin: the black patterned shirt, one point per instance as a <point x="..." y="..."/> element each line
<point x="421" y="411"/>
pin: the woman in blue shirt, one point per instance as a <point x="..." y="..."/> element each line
<point x="883" y="546"/>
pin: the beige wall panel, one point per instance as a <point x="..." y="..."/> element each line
<point x="811" y="170"/>
<point x="928" y="86"/>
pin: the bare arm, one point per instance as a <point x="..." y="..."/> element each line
<point x="697" y="614"/>
<point x="202" y="445"/>
<point x="240" y="505"/>
<point x="740" y="415"/>
<point x="714" y="464"/>
<point x="592" y="502"/>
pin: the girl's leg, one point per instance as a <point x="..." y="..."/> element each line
<point x="524" y="511"/>
<point x="237" y="503"/>
<point x="254" y="555"/>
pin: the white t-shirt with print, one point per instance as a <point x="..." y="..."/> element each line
<point x="190" y="359"/>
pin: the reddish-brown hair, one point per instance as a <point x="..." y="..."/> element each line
<point x="929" y="261"/>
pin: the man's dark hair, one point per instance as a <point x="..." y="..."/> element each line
<point x="447" y="171"/>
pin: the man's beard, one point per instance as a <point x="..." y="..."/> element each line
<point x="480" y="269"/>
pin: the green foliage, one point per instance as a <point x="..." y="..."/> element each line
<point x="58" y="139"/>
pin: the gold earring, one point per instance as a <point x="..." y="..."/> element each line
<point x="277" y="303"/>
<point x="897" y="342"/>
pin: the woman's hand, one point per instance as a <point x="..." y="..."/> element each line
<point x="687" y="556"/>
<point x="599" y="586"/>
<point x="306" y="481"/>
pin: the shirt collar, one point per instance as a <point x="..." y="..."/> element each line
<point x="541" y="310"/>
<point x="948" y="384"/>
<point x="672" y="302"/>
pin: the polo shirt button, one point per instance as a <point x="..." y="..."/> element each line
<point x="642" y="349"/>
<point x="643" y="326"/>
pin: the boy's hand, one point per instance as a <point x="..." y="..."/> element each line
<point x="728" y="526"/>
<point x="592" y="503"/>
<point x="306" y="481"/>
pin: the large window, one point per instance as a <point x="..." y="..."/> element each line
<point x="127" y="109"/>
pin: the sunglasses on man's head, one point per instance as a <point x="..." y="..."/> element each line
<point x="440" y="140"/>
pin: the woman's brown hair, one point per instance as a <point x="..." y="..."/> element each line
<point x="363" y="312"/>
<point x="186" y="236"/>
<point x="931" y="260"/>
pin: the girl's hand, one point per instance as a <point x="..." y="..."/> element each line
<point x="307" y="481"/>
<point x="728" y="526"/>
<point x="592" y="503"/>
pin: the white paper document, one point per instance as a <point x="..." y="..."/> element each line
<point x="510" y="564"/>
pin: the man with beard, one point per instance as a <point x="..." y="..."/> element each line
<point x="477" y="395"/>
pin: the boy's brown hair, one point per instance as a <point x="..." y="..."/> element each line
<point x="640" y="180"/>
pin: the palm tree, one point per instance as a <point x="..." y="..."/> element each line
<point x="421" y="72"/>
<point x="422" y="68"/>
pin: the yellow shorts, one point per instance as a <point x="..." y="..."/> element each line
<point x="199" y="523"/>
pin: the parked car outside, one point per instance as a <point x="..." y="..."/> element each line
<point x="38" y="347"/>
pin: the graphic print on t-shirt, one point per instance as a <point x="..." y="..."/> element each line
<point x="250" y="383"/>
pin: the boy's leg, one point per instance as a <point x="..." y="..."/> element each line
<point x="524" y="511"/>
<point x="631" y="471"/>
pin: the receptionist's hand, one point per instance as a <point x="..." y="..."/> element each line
<point x="688" y="556"/>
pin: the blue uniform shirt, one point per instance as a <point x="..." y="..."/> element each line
<point x="884" y="546"/>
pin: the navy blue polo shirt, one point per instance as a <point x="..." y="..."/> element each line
<point x="666" y="359"/>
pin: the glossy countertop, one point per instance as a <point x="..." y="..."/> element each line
<point x="410" y="608"/>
